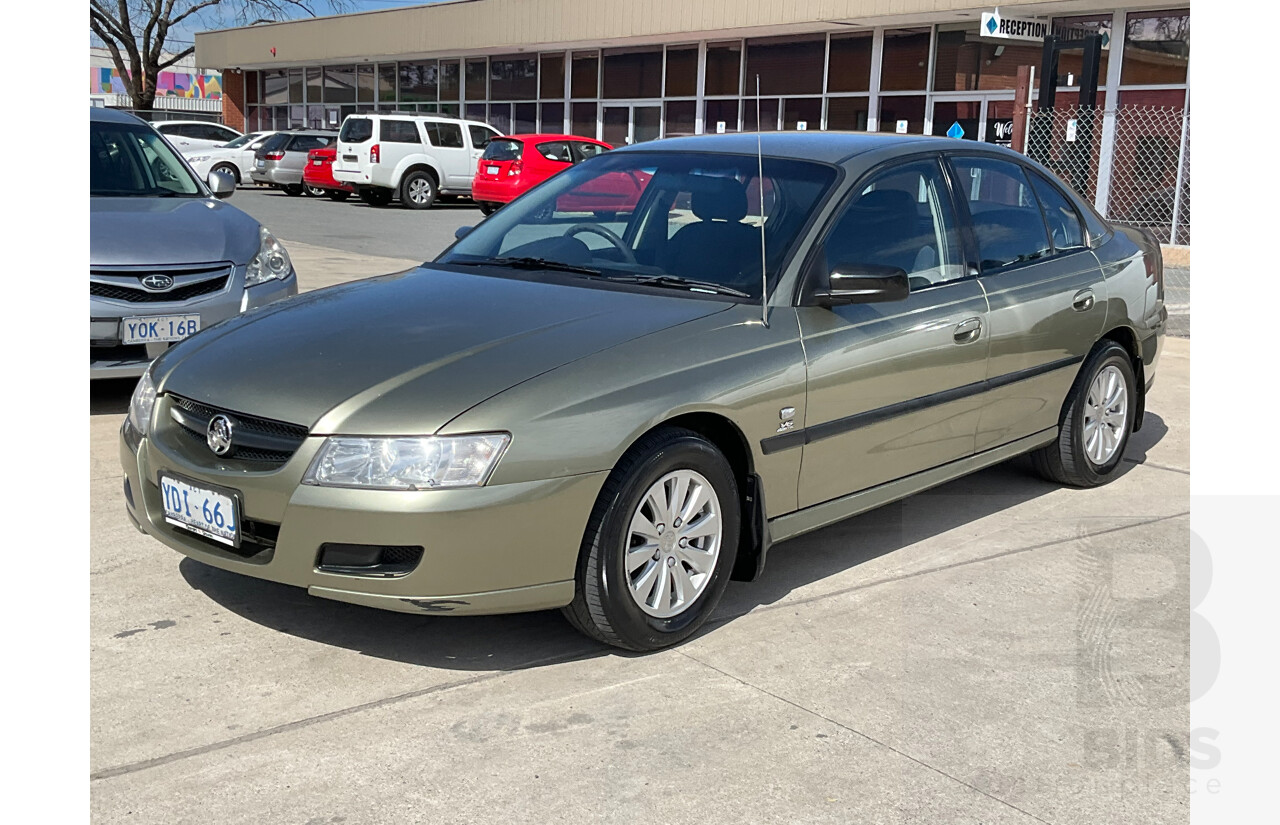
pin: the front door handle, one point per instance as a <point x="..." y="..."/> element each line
<point x="968" y="331"/>
<point x="1083" y="302"/>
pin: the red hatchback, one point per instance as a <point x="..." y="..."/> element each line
<point x="514" y="164"/>
<point x="318" y="175"/>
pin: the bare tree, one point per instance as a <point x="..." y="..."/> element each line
<point x="135" y="32"/>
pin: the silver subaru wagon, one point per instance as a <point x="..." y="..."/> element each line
<point x="167" y="257"/>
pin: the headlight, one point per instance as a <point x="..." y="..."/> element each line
<point x="270" y="262"/>
<point x="425" y="463"/>
<point x="141" y="404"/>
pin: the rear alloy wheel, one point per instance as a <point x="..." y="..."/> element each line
<point x="313" y="191"/>
<point x="376" y="196"/>
<point x="337" y="194"/>
<point x="660" y="545"/>
<point x="1096" y="422"/>
<point x="230" y="169"/>
<point x="293" y="188"/>
<point x="418" y="190"/>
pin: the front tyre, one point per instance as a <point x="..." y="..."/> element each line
<point x="337" y="195"/>
<point x="660" y="544"/>
<point x="294" y="189"/>
<point x="1096" y="421"/>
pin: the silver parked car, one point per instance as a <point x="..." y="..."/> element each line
<point x="166" y="257"/>
<point x="282" y="159"/>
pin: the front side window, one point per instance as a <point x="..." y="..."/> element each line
<point x="901" y="218"/>
<point x="127" y="160"/>
<point x="1006" y="215"/>
<point x="1064" y="224"/>
<point x="638" y="217"/>
<point x="399" y="131"/>
<point x="445" y="135"/>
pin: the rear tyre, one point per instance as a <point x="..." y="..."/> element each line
<point x="292" y="189"/>
<point x="230" y="169"/>
<point x="337" y="195"/>
<point x="660" y="544"/>
<point x="313" y="191"/>
<point x="418" y="190"/>
<point x="1096" y="421"/>
<point x="376" y="196"/>
<point x="488" y="208"/>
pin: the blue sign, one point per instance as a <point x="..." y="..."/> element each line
<point x="956" y="130"/>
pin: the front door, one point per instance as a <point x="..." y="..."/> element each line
<point x="625" y="124"/>
<point x="894" y="388"/>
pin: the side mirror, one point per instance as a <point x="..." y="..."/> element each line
<point x="461" y="232"/>
<point x="864" y="284"/>
<point x="222" y="184"/>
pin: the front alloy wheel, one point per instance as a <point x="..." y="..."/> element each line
<point x="660" y="544"/>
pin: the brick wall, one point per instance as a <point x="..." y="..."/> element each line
<point x="233" y="105"/>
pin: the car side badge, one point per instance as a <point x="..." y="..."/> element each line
<point x="787" y="414"/>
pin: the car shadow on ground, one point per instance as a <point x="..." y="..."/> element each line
<point x="110" y="396"/>
<point x="519" y="641"/>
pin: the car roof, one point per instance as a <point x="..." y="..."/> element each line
<point x="829" y="147"/>
<point x="190" y="122"/>
<point x="98" y="114"/>
<point x="536" y="136"/>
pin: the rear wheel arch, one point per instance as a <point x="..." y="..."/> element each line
<point x="1127" y="338"/>
<point x="418" y="166"/>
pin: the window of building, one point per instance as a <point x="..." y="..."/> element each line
<point x="848" y="113"/>
<point x="315" y="86"/>
<point x="586" y="69"/>
<point x="1070" y="62"/>
<point x="450" y="81"/>
<point x="682" y="71"/>
<point x="387" y="82"/>
<point x="275" y="86"/>
<point x="630" y="74"/>
<point x="295" y="86"/>
<point x="524" y="118"/>
<point x="786" y="65"/>
<point x="477" y="111"/>
<point x="366" y="83"/>
<point x="721" y="111"/>
<point x="910" y="108"/>
<point x="477" y="78"/>
<point x="584" y="119"/>
<point x="801" y="110"/>
<point x="966" y="62"/>
<point x="418" y="81"/>
<point x="849" y="69"/>
<point x="513" y="78"/>
<point x="1157" y="45"/>
<point x="251" y="91"/>
<point x="724" y="69"/>
<point x="551" y="81"/>
<point x="339" y="84"/>
<point x="905" y="65"/>
<point x="551" y="117"/>
<point x="768" y="111"/>
<point x="1006" y="215"/>
<point x="681" y="117"/>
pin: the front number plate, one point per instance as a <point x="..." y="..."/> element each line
<point x="158" y="328"/>
<point x="208" y="512"/>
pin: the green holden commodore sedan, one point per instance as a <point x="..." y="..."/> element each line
<point x="615" y="412"/>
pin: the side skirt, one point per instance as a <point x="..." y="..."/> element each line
<point x="829" y="512"/>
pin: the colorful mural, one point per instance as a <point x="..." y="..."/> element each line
<point x="169" y="84"/>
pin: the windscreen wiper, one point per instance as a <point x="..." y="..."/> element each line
<point x="530" y="263"/>
<point x="681" y="283"/>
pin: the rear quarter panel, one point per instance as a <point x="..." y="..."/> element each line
<point x="1134" y="300"/>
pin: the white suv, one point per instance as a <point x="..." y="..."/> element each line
<point x="414" y="156"/>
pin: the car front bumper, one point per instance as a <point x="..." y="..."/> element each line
<point x="505" y="548"/>
<point x="109" y="358"/>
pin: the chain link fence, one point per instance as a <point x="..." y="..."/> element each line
<point x="1134" y="162"/>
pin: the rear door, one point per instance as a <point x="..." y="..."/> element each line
<point x="450" y="149"/>
<point x="895" y="388"/>
<point x="398" y="140"/>
<point x="1046" y="291"/>
<point x="354" y="142"/>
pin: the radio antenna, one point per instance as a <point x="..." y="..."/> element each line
<point x="764" y="275"/>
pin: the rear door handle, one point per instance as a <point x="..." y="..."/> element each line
<point x="1083" y="302"/>
<point x="968" y="331"/>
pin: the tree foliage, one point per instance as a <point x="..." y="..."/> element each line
<point x="135" y="32"/>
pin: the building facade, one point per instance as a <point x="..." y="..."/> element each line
<point x="181" y="90"/>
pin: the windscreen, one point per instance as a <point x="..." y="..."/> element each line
<point x="127" y="160"/>
<point x="640" y="216"/>
<point x="240" y="141"/>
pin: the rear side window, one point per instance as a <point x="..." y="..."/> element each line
<point x="480" y="136"/>
<point x="399" y="131"/>
<point x="1060" y="215"/>
<point x="305" y="143"/>
<point x="1006" y="215"/>
<point x="504" y="149"/>
<point x="557" y="150"/>
<point x="356" y="130"/>
<point x="445" y="135"/>
<point x="582" y="151"/>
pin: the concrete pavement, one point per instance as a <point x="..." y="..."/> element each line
<point x="995" y="650"/>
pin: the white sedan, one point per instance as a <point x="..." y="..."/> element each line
<point x="234" y="158"/>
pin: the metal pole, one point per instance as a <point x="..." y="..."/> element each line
<point x="1026" y="132"/>
<point x="1182" y="161"/>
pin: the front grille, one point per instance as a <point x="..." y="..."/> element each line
<point x="139" y="295"/>
<point x="262" y="441"/>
